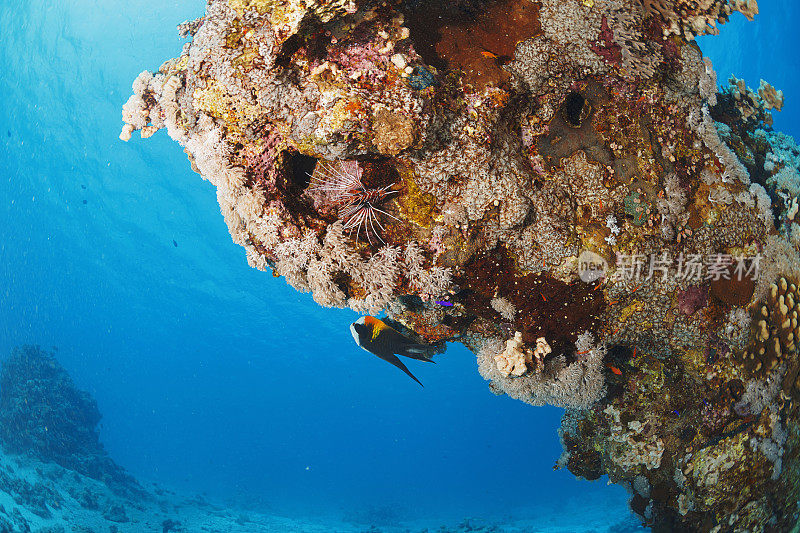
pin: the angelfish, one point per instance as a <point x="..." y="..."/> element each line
<point x="380" y="339"/>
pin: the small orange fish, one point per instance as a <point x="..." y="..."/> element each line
<point x="486" y="53"/>
<point x="615" y="370"/>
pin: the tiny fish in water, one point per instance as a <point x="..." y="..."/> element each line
<point x="378" y="338"/>
<point x="174" y="243"/>
<point x="615" y="370"/>
<point x="487" y="53"/>
<point x="444" y="303"/>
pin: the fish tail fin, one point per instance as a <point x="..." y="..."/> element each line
<point x="394" y="360"/>
<point x="399" y="364"/>
<point x="415" y="379"/>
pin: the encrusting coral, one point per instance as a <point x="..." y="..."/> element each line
<point x="557" y="184"/>
<point x="515" y="359"/>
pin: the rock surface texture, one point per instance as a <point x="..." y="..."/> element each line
<point x="559" y="184"/>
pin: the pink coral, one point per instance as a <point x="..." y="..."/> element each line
<point x="605" y="46"/>
<point x="263" y="167"/>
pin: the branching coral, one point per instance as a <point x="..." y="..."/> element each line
<point x="751" y="105"/>
<point x="699" y="18"/>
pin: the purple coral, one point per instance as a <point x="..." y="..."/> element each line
<point x="692" y="298"/>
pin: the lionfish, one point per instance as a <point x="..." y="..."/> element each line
<point x="355" y="203"/>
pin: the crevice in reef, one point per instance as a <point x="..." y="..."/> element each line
<point x="575" y="109"/>
<point x="573" y="128"/>
<point x="302" y="168"/>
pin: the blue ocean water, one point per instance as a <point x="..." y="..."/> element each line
<point x="214" y="377"/>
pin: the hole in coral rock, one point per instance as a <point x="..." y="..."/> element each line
<point x="618" y="355"/>
<point x="379" y="173"/>
<point x="343" y="282"/>
<point x="412" y="302"/>
<point x="311" y="39"/>
<point x="575" y="109"/>
<point x="302" y="166"/>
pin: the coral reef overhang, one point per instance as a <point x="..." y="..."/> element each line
<point x="558" y="185"/>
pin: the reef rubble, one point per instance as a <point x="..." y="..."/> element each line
<point x="516" y="174"/>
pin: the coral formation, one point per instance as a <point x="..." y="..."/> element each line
<point x="516" y="359"/>
<point x="512" y="360"/>
<point x="485" y="153"/>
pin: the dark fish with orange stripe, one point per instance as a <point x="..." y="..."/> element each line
<point x="378" y="338"/>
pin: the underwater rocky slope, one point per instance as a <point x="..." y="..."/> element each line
<point x="557" y="184"/>
<point x="55" y="477"/>
<point x="44" y="415"/>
